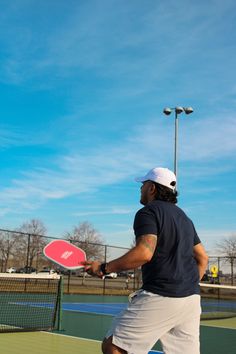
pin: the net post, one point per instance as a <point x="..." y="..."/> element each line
<point x="59" y="318"/>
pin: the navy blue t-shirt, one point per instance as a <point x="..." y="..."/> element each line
<point x="172" y="270"/>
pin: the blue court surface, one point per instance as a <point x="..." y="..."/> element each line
<point x="113" y="309"/>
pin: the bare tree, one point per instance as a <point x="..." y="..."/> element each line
<point x="30" y="246"/>
<point x="86" y="237"/>
<point x="227" y="247"/>
<point x="7" y="245"/>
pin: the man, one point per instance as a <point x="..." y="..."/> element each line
<point x="173" y="260"/>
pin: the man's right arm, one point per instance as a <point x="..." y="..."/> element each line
<point x="201" y="258"/>
<point x="134" y="258"/>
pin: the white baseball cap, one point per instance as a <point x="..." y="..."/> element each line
<point x="160" y="175"/>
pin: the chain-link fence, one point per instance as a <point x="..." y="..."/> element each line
<point x="23" y="253"/>
<point x="221" y="270"/>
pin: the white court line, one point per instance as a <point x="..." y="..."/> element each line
<point x="216" y="326"/>
<point x="91" y="340"/>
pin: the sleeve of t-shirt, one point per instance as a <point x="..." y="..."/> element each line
<point x="196" y="240"/>
<point x="145" y="222"/>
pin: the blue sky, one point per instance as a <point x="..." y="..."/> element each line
<point x="83" y="86"/>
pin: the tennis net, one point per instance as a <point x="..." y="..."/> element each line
<point x="218" y="301"/>
<point x="29" y="302"/>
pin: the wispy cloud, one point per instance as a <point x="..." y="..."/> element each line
<point x="212" y="237"/>
<point x="110" y="164"/>
<point x="209" y="138"/>
<point x="111" y="211"/>
<point x="108" y="42"/>
<point x="12" y="136"/>
<point x="114" y="66"/>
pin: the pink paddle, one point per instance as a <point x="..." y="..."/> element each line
<point x="65" y="254"/>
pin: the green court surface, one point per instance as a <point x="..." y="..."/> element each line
<point x="45" y="343"/>
<point x="81" y="333"/>
<point x="228" y="323"/>
<point x="213" y="341"/>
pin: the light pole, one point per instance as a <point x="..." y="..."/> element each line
<point x="178" y="110"/>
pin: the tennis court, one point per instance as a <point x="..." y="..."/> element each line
<point x="86" y="318"/>
<point x="217" y="336"/>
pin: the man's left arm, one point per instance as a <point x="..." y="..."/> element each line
<point x="201" y="258"/>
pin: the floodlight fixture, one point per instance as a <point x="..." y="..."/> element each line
<point x="167" y="111"/>
<point x="178" y="110"/>
<point x="188" y="110"/>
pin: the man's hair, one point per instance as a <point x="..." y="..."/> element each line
<point x="166" y="194"/>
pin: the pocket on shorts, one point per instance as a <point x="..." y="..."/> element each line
<point x="135" y="295"/>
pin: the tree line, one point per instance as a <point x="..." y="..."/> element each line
<point x="23" y="246"/>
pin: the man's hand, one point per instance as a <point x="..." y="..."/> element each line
<point x="93" y="268"/>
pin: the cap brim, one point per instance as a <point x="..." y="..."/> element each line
<point x="140" y="179"/>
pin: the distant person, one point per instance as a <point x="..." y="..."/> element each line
<point x="173" y="260"/>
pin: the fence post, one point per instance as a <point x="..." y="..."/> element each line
<point x="219" y="270"/>
<point x="104" y="280"/>
<point x="232" y="270"/>
<point x="28" y="252"/>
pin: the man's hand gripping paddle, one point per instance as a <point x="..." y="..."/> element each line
<point x="65" y="254"/>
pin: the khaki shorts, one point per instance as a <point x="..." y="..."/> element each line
<point x="150" y="317"/>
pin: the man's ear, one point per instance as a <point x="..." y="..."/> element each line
<point x="153" y="189"/>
